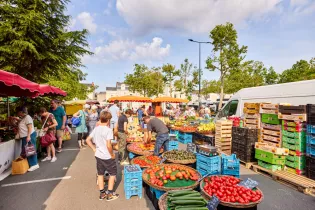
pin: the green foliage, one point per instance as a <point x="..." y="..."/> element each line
<point x="271" y="77"/>
<point x="227" y="55"/>
<point x="170" y="73"/>
<point x="34" y="42"/>
<point x="302" y="70"/>
<point x="147" y="82"/>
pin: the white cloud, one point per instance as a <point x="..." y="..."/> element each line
<point x="298" y="2"/>
<point x="107" y="11"/>
<point x="87" y="21"/>
<point x="129" y="50"/>
<point x="196" y="16"/>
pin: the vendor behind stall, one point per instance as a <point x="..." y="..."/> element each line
<point x="162" y="137"/>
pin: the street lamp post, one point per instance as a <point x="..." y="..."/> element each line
<point x="199" y="92"/>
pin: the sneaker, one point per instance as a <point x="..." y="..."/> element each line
<point x="59" y="150"/>
<point x="33" y="168"/>
<point x="45" y="159"/>
<point x="112" y="196"/>
<point x="103" y="196"/>
<point x="53" y="159"/>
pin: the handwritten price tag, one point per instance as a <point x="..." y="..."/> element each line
<point x="249" y="183"/>
<point x="213" y="203"/>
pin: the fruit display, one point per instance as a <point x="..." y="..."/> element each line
<point x="134" y="139"/>
<point x="206" y="128"/>
<point x="142" y="148"/>
<point x="179" y="123"/>
<point x="171" y="176"/>
<point x="178" y="156"/>
<point x="188" y="129"/>
<point x="185" y="199"/>
<point x="146" y="161"/>
<point x="226" y="188"/>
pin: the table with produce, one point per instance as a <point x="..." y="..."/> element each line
<point x="179" y="156"/>
<point x="141" y="148"/>
<point x="146" y="161"/>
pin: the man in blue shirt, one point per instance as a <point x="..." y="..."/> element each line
<point x="140" y="112"/>
<point x="60" y="117"/>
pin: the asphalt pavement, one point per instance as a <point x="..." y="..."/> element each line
<point x="70" y="183"/>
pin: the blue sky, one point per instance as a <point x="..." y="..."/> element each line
<point x="156" y="32"/>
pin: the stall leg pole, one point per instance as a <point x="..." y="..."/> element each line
<point x="8" y="106"/>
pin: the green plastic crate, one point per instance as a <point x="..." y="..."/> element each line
<point x="270" y="166"/>
<point x="269" y="157"/>
<point x="297" y="159"/>
<point x="270" y="119"/>
<point x="299" y="135"/>
<point x="296" y="165"/>
<point x="293" y="140"/>
<point x="294" y="147"/>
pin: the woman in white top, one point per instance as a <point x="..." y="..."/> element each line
<point x="93" y="118"/>
<point x="27" y="135"/>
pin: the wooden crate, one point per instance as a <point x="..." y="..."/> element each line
<point x="271" y="143"/>
<point x="250" y="111"/>
<point x="271" y="132"/>
<point x="271" y="127"/>
<point x="294" y="117"/>
<point x="271" y="138"/>
<point x="271" y="147"/>
<point x="285" y="109"/>
<point x="253" y="121"/>
<point x="252" y="105"/>
<point x="248" y="125"/>
<point x="224" y="122"/>
<point x="252" y="116"/>
<point x="269" y="106"/>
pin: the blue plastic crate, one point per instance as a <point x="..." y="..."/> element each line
<point x="214" y="168"/>
<point x="235" y="174"/>
<point x="158" y="193"/>
<point x="310" y="149"/>
<point x="172" y="145"/>
<point x="208" y="160"/>
<point x="132" y="176"/>
<point x="132" y="155"/>
<point x="133" y="191"/>
<point x="203" y="171"/>
<point x="185" y="138"/>
<point x="310" y="138"/>
<point x="209" y="164"/>
<point x="230" y="163"/>
<point x="174" y="132"/>
<point x="311" y="129"/>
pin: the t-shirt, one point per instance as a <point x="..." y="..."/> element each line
<point x="113" y="110"/>
<point x="100" y="135"/>
<point x="157" y="126"/>
<point x="122" y="119"/>
<point x="58" y="114"/>
<point x="23" y="126"/>
<point x="140" y="113"/>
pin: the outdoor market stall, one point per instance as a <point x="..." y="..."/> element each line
<point x="157" y="103"/>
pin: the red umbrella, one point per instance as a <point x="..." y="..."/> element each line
<point x="51" y="90"/>
<point x="15" y="85"/>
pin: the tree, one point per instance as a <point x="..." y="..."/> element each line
<point x="227" y="55"/>
<point x="302" y="70"/>
<point x="271" y="77"/>
<point x="34" y="42"/>
<point x="145" y="81"/>
<point x="185" y="72"/>
<point x="170" y="73"/>
<point x="208" y="87"/>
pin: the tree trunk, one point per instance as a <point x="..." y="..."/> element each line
<point x="221" y="91"/>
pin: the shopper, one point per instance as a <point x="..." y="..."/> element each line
<point x="202" y="111"/>
<point x="82" y="129"/>
<point x="27" y="134"/>
<point x="122" y="136"/>
<point x="60" y="116"/>
<point x="93" y="118"/>
<point x="140" y="114"/>
<point x="105" y="157"/>
<point x="162" y="138"/>
<point x="114" y="111"/>
<point x="207" y="113"/>
<point x="49" y="125"/>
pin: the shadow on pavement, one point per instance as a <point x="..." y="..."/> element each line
<point x="33" y="195"/>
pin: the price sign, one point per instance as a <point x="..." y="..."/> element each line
<point x="163" y="160"/>
<point x="249" y="183"/>
<point x="213" y="203"/>
<point x="191" y="147"/>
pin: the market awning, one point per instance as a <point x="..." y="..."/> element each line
<point x="51" y="90"/>
<point x="170" y="100"/>
<point x="15" y="85"/>
<point x="130" y="99"/>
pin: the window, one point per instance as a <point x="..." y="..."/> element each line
<point x="229" y="109"/>
<point x="233" y="107"/>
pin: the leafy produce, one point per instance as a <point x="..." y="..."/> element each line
<point x="188" y="129"/>
<point x="206" y="128"/>
<point x="227" y="190"/>
<point x="169" y="175"/>
<point x="185" y="199"/>
<point x="146" y="161"/>
<point x="179" y="155"/>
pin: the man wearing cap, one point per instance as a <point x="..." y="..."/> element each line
<point x="60" y="116"/>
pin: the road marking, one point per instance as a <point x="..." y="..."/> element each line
<point x="74" y="149"/>
<point x="36" y="181"/>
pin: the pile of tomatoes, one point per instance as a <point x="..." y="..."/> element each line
<point x="227" y="190"/>
<point x="146" y="161"/>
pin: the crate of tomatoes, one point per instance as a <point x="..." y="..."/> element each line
<point x="230" y="193"/>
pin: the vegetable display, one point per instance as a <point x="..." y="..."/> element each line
<point x="141" y="148"/>
<point x="179" y="155"/>
<point x="188" y="129"/>
<point x="226" y="188"/>
<point x="207" y="128"/>
<point x="146" y="161"/>
<point x="170" y="176"/>
<point x="134" y="139"/>
<point x="185" y="199"/>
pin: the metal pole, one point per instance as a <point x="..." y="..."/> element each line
<point x="199" y="95"/>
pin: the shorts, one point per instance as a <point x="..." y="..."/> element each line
<point x="59" y="133"/>
<point x="82" y="136"/>
<point x="106" y="165"/>
<point x="113" y="124"/>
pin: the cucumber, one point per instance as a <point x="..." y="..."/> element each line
<point x="181" y="193"/>
<point x="188" y="202"/>
<point x="191" y="208"/>
<point x="187" y="195"/>
<point x="186" y="198"/>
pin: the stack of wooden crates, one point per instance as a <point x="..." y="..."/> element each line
<point x="251" y="115"/>
<point x="223" y="135"/>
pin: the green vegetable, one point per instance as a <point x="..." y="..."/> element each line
<point x="183" y="198"/>
<point x="188" y="202"/>
<point x="181" y="193"/>
<point x="191" y="208"/>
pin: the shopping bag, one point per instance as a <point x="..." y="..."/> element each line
<point x="19" y="166"/>
<point x="66" y="134"/>
<point x="75" y="121"/>
<point x="47" y="139"/>
<point x="30" y="149"/>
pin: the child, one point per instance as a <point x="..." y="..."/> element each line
<point x="105" y="157"/>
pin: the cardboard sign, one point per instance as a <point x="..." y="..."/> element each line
<point x="213" y="203"/>
<point x="191" y="147"/>
<point x="249" y="183"/>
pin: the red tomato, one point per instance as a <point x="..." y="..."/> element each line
<point x="228" y="192"/>
<point x="232" y="199"/>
